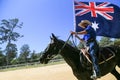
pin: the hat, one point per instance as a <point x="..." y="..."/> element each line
<point x="84" y="22"/>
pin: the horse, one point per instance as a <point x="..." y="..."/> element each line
<point x="72" y="56"/>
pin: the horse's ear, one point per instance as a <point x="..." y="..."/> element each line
<point x="50" y="37"/>
<point x="54" y="37"/>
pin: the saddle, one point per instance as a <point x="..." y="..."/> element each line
<point x="104" y="54"/>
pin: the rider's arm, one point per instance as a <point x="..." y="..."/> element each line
<point x="82" y="32"/>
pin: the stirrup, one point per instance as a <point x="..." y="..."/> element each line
<point x="94" y="77"/>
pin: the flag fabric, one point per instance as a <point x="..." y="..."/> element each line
<point x="105" y="17"/>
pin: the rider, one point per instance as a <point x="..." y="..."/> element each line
<point x="90" y="39"/>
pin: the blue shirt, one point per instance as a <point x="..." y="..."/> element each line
<point x="91" y="34"/>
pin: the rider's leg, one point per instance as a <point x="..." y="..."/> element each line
<point x="93" y="50"/>
<point x="95" y="63"/>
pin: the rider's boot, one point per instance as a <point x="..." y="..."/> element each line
<point x="95" y="75"/>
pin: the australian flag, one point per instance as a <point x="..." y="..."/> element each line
<point x="105" y="17"/>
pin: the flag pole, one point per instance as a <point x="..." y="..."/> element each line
<point x="74" y="21"/>
<point x="74" y="14"/>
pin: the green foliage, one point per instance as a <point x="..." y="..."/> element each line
<point x="11" y="52"/>
<point x="117" y="42"/>
<point x="14" y="61"/>
<point x="2" y="59"/>
<point x="33" y="56"/>
<point x="7" y="30"/>
<point x="8" y="34"/>
<point x="105" y="41"/>
<point x="24" y="53"/>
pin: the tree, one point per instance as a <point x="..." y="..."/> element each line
<point x="39" y="55"/>
<point x="11" y="52"/>
<point x="14" y="61"/>
<point x="24" y="53"/>
<point x="7" y="30"/>
<point x="8" y="34"/>
<point x="117" y="42"/>
<point x="33" y="56"/>
<point x="2" y="59"/>
<point x="105" y="41"/>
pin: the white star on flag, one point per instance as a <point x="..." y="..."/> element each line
<point x="95" y="25"/>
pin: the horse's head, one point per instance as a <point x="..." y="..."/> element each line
<point x="51" y="50"/>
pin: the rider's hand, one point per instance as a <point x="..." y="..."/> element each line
<point x="72" y="32"/>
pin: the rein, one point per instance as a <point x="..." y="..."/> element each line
<point x="61" y="48"/>
<point x="64" y="44"/>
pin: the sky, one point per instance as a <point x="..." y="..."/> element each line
<point x="40" y="18"/>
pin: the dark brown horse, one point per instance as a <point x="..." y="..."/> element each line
<point x="72" y="57"/>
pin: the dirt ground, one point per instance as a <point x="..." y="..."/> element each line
<point x="54" y="72"/>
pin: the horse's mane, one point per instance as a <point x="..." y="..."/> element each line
<point x="69" y="46"/>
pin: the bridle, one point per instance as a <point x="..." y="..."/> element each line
<point x="60" y="50"/>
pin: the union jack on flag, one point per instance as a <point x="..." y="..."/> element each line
<point x="104" y="16"/>
<point x="102" y="9"/>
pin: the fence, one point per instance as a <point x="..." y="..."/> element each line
<point x="28" y="64"/>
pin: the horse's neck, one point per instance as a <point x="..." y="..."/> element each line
<point x="71" y="56"/>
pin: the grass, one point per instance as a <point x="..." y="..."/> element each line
<point x="31" y="66"/>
